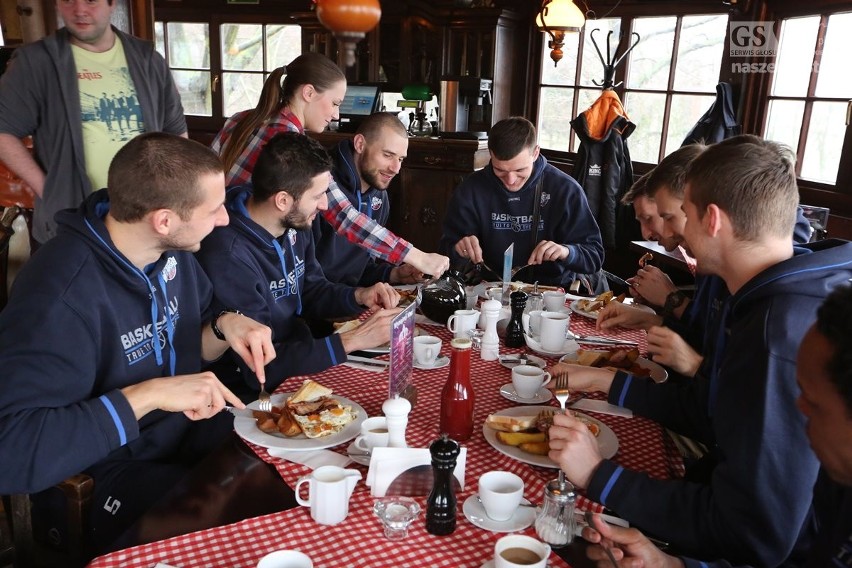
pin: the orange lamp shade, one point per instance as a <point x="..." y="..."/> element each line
<point x="341" y="16"/>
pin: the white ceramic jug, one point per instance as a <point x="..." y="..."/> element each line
<point x="329" y="489"/>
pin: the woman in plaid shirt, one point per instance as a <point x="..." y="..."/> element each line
<point x="308" y="99"/>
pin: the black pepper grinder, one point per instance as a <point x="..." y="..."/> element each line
<point x="441" y="504"/>
<point x="515" y="329"/>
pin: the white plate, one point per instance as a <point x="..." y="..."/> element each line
<point x="246" y="428"/>
<point x="657" y="372"/>
<point x="573" y="307"/>
<point x="607" y="441"/>
<point x="542" y="396"/>
<point x="511" y="361"/>
<point x="357" y="455"/>
<point x="475" y="513"/>
<point x="441" y="362"/>
<point x="570" y="346"/>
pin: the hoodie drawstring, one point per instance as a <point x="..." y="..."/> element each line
<point x="170" y="326"/>
<point x="283" y="262"/>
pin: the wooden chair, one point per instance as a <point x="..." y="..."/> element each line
<point x="77" y="491"/>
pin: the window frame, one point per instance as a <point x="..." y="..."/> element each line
<point x="627" y="15"/>
<point x="214" y="123"/>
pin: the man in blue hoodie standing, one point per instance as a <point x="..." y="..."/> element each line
<point x="265" y="262"/>
<point x="740" y="202"/>
<point x="519" y="198"/>
<point x="103" y="338"/>
<point x="363" y="169"/>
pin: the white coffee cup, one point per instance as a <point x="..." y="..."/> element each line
<point x="462" y="321"/>
<point x="329" y="489"/>
<point x="374" y="434"/>
<point x="532" y="323"/>
<point x="520" y="551"/>
<point x="426" y="349"/>
<point x="528" y="380"/>
<point x="554" y="328"/>
<point x="554" y="301"/>
<point x="501" y="493"/>
<point x="285" y="559"/>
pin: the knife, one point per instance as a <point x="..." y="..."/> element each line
<point x="617" y="279"/>
<point x="368" y="361"/>
<point x="605" y="341"/>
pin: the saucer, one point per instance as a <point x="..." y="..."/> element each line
<point x="570" y="346"/>
<point x="439" y="363"/>
<point x="542" y="396"/>
<point x="488" y="564"/>
<point x="357" y="455"/>
<point x="475" y="513"/>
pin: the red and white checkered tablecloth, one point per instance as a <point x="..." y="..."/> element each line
<point x="359" y="540"/>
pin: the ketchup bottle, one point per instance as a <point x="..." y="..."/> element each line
<point x="457" y="399"/>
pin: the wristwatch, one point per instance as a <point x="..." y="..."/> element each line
<point x="673" y="301"/>
<point x="216" y="331"/>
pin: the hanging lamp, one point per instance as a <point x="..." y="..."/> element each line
<point x="556" y="18"/>
<point x="349" y="21"/>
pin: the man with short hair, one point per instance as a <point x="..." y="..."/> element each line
<point x="103" y="338"/>
<point x="264" y="262"/>
<point x="519" y="198"/>
<point x="363" y="169"/>
<point x="740" y="202"/>
<point x="54" y="90"/>
<point x="824" y="371"/>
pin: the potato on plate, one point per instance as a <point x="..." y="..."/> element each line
<point x="519" y="438"/>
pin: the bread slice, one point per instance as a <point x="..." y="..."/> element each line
<point x="503" y="423"/>
<point x="310" y="390"/>
<point x="591" y="358"/>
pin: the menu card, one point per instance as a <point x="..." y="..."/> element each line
<point x="508" y="258"/>
<point x="401" y="351"/>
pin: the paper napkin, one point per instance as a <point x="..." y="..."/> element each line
<point x="602" y="407"/>
<point x="312" y="459"/>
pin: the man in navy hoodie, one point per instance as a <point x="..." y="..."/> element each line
<point x="363" y="169"/>
<point x="496" y="207"/>
<point x="264" y="261"/>
<point x="104" y="334"/>
<point x="824" y="370"/>
<point x="740" y="203"/>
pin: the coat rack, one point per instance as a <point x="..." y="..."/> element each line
<point x="610" y="64"/>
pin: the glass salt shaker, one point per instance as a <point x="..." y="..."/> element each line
<point x="555" y="523"/>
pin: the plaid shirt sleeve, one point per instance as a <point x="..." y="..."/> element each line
<point x="240" y="172"/>
<point x="361" y="230"/>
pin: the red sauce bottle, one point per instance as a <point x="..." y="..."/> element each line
<point x="457" y="398"/>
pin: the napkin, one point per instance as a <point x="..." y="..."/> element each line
<point x="312" y="459"/>
<point x="602" y="407"/>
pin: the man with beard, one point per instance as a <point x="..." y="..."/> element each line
<point x="264" y="259"/>
<point x="363" y="169"/>
<point x="103" y="338"/>
<point x="740" y="202"/>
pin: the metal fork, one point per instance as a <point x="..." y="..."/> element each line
<point x="561" y="393"/>
<point x="264" y="402"/>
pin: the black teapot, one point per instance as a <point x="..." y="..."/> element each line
<point x="443" y="296"/>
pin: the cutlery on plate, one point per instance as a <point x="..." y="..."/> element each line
<point x="599" y="340"/>
<point x="561" y="393"/>
<point x="264" y="402"/>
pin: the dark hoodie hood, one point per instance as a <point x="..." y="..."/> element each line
<point x="344" y="172"/>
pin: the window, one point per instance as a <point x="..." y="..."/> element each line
<point x="810" y="92"/>
<point x="669" y="79"/>
<point x="219" y="68"/>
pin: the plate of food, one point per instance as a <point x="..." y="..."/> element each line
<point x="407" y="294"/>
<point x="591" y="307"/>
<point x="342" y="327"/>
<point x="308" y="419"/>
<point x="618" y="360"/>
<point x="515" y="432"/>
